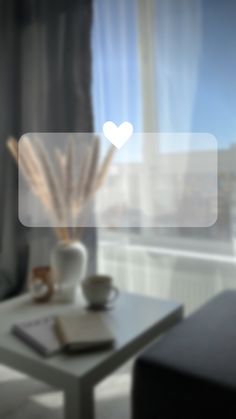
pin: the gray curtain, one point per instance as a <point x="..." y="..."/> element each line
<point x="45" y="83"/>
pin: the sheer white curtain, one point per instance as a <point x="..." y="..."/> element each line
<point x="146" y="57"/>
<point x="145" y="64"/>
<point x="170" y="36"/>
<point x="116" y="97"/>
<point x="178" y="50"/>
<point x="116" y="81"/>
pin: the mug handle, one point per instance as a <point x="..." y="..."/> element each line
<point x="114" y="295"/>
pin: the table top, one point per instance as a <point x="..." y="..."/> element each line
<point x="135" y="321"/>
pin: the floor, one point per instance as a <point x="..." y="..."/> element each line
<point x="25" y="398"/>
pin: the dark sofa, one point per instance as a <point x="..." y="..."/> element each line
<point x="191" y="371"/>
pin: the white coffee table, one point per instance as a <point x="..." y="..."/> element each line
<point x="135" y="320"/>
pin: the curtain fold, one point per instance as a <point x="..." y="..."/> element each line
<point x="178" y="47"/>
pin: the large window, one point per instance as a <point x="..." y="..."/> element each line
<point x="170" y="66"/>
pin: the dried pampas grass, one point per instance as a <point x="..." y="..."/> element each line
<point x="51" y="181"/>
<point x="63" y="188"/>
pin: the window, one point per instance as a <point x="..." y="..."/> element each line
<point x="170" y="66"/>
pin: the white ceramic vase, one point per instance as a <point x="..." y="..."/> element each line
<point x="69" y="264"/>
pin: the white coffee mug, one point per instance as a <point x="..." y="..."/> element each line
<point x="99" y="291"/>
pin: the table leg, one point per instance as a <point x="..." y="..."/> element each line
<point x="79" y="402"/>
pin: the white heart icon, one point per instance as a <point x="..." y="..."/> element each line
<point x="118" y="135"/>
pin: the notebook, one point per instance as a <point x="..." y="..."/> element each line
<point x="39" y="335"/>
<point x="79" y="332"/>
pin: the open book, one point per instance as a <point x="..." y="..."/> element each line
<point x="83" y="332"/>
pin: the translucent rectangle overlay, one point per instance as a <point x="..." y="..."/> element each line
<point x="154" y="180"/>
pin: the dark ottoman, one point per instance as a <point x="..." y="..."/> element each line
<point x="191" y="371"/>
